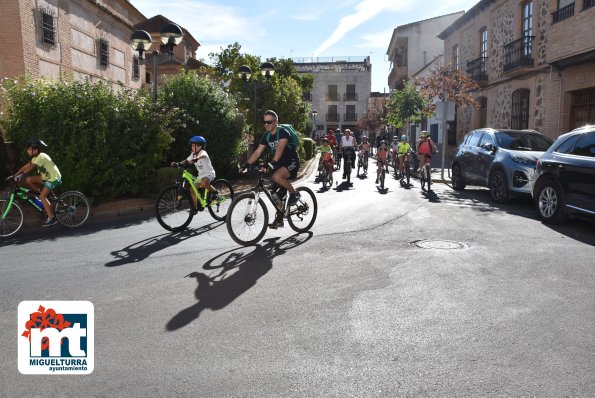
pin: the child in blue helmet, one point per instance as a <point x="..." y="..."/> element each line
<point x="206" y="172"/>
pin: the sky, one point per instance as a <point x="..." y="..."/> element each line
<point x="305" y="28"/>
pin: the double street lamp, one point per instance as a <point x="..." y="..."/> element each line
<point x="267" y="69"/>
<point x="141" y="41"/>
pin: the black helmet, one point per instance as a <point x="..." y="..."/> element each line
<point x="37" y="143"/>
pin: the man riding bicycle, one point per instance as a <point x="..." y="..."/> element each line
<point x="403" y="150"/>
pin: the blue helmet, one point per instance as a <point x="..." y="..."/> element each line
<point x="198" y="139"/>
<point x="403" y="137"/>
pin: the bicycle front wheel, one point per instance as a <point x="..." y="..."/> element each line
<point x="12" y="221"/>
<point x="247" y="220"/>
<point x="72" y="209"/>
<point x="428" y="176"/>
<point x="382" y="176"/>
<point x="303" y="214"/>
<point x="174" y="208"/>
<point x="220" y="207"/>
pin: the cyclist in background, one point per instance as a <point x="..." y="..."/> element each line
<point x="394" y="148"/>
<point x="332" y="141"/>
<point x="348" y="145"/>
<point x="403" y="150"/>
<point x="424" y="148"/>
<point x="325" y="152"/>
<point x="49" y="177"/>
<point x="381" y="158"/>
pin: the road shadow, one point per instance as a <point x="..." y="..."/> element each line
<point x="382" y="191"/>
<point x="30" y="234"/>
<point x="140" y="250"/>
<point x="235" y="272"/>
<point x="430" y="195"/>
<point x="344" y="186"/>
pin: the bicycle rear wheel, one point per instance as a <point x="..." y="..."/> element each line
<point x="247" y="220"/>
<point x="13" y="221"/>
<point x="72" y="209"/>
<point x="220" y="207"/>
<point x="174" y="208"/>
<point x="303" y="214"/>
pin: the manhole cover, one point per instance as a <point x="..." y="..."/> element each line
<point x="440" y="244"/>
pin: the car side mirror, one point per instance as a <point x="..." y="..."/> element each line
<point x="488" y="147"/>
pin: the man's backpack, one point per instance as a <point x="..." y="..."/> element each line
<point x="294" y="140"/>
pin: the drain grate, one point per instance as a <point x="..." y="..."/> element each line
<point x="440" y="244"/>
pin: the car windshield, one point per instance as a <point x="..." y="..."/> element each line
<point x="523" y="141"/>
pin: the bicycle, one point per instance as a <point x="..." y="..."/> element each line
<point x="382" y="176"/>
<point x="349" y="153"/>
<point x="175" y="208"/>
<point x="71" y="208"/>
<point x="326" y="174"/>
<point x="248" y="217"/>
<point x="406" y="174"/>
<point x="362" y="162"/>
<point x="337" y="160"/>
<point x="426" y="174"/>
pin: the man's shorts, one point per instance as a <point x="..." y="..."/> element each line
<point x="293" y="165"/>
<point x="51" y="185"/>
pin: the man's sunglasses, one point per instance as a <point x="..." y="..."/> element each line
<point x="269" y="121"/>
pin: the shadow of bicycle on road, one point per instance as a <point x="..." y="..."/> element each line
<point x="236" y="271"/>
<point x="140" y="250"/>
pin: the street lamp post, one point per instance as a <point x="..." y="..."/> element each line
<point x="141" y="41"/>
<point x="314" y="130"/>
<point x="267" y="69"/>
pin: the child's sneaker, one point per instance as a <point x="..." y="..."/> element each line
<point x="49" y="222"/>
<point x="213" y="196"/>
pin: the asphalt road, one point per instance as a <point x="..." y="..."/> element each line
<point x="499" y="305"/>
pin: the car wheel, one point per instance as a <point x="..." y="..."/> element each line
<point x="458" y="183"/>
<point x="498" y="187"/>
<point x="550" y="202"/>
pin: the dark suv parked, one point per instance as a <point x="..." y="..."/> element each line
<point x="502" y="160"/>
<point x="564" y="181"/>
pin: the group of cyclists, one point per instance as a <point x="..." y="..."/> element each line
<point x="337" y="146"/>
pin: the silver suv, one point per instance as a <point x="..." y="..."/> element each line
<point x="502" y="160"/>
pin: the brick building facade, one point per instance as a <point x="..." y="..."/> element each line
<point x="535" y="69"/>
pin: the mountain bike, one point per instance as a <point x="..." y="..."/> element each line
<point x="248" y="217"/>
<point x="71" y="208"/>
<point x="175" y="209"/>
<point x="406" y="174"/>
<point x="426" y="174"/>
<point x="349" y="153"/>
<point x="338" y="160"/>
<point x="326" y="175"/>
<point x="382" y="176"/>
<point x="362" y="162"/>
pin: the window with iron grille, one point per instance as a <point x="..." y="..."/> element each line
<point x="47" y="19"/>
<point x="483" y="47"/>
<point x="135" y="68"/>
<point x="455" y="56"/>
<point x="520" y="109"/>
<point x="103" y="52"/>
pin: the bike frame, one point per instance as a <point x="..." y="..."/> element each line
<point x="187" y="176"/>
<point x="21" y="193"/>
<point x="260" y="188"/>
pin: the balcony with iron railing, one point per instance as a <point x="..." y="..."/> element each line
<point x="350" y="97"/>
<point x="397" y="76"/>
<point x="332" y="96"/>
<point x="478" y="69"/>
<point x="518" y="53"/>
<point x="307" y="97"/>
<point x="350" y="117"/>
<point x="588" y="4"/>
<point x="332" y="117"/>
<point x="563" y="13"/>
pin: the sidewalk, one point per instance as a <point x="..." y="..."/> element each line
<point x="127" y="207"/>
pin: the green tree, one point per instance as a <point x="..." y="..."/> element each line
<point x="406" y="105"/>
<point x="106" y="143"/>
<point x="283" y="92"/>
<point x="209" y="112"/>
<point x="448" y="85"/>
